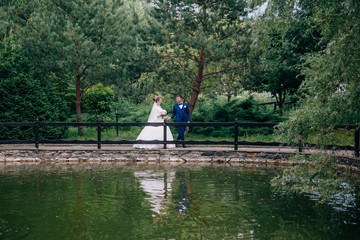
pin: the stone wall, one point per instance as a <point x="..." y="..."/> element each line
<point x="230" y="156"/>
<point x="159" y="156"/>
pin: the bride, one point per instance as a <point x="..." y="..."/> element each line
<point x="155" y="133"/>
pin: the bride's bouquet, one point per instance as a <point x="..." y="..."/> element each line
<point x="163" y="113"/>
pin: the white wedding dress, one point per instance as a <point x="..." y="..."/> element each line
<point x="154" y="133"/>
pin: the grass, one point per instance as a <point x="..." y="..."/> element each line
<point x="131" y="133"/>
<point x="245" y="137"/>
<point x="90" y="133"/>
<point x="341" y="137"/>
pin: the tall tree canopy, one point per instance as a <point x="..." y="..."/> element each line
<point x="280" y="41"/>
<point x="331" y="89"/>
<point x="78" y="42"/>
<point x="198" y="42"/>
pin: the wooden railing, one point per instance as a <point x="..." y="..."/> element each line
<point x="236" y="143"/>
<point x="274" y="103"/>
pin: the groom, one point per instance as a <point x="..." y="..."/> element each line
<point x="182" y="112"/>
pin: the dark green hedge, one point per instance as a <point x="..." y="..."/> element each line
<point x="217" y="110"/>
<point x="24" y="97"/>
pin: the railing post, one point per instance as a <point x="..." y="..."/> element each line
<point x="99" y="134"/>
<point x="117" y="126"/>
<point x="236" y="130"/>
<point x="300" y="146"/>
<point x="37" y="133"/>
<point x="356" y="138"/>
<point x="165" y="133"/>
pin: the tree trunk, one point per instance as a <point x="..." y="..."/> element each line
<point x="281" y="103"/>
<point x="197" y="83"/>
<point x="78" y="105"/>
<point x="199" y="78"/>
<point x="281" y="109"/>
<point x="229" y="97"/>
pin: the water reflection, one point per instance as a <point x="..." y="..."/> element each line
<point x="161" y="195"/>
<point x="133" y="201"/>
<point x="183" y="197"/>
<point x="157" y="185"/>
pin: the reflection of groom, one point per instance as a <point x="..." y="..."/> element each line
<point x="182" y="113"/>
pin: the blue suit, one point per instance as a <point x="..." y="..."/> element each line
<point x="182" y="115"/>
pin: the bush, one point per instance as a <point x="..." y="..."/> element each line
<point x="98" y="102"/>
<point x="318" y="178"/>
<point x="24" y="98"/>
<point x="219" y="110"/>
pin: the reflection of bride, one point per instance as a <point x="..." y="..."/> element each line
<point x="157" y="185"/>
<point x="155" y="133"/>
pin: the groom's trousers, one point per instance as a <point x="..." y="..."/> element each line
<point x="181" y="133"/>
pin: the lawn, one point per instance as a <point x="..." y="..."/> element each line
<point x="341" y="137"/>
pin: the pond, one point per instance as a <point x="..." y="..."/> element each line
<point x="151" y="201"/>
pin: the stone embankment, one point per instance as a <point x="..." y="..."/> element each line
<point x="212" y="156"/>
<point x="73" y="154"/>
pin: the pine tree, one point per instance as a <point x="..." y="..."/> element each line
<point x="198" y="42"/>
<point x="79" y="42"/>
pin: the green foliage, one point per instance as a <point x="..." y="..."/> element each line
<point x="331" y="90"/>
<point x="219" y="110"/>
<point x="98" y="102"/>
<point x="319" y="177"/>
<point x="78" y="43"/>
<point x="277" y="51"/>
<point x="24" y="98"/>
<point x="199" y="45"/>
<point x="74" y="45"/>
<point x="330" y="95"/>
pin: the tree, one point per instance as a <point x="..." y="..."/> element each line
<point x="330" y="94"/>
<point x="278" y="47"/>
<point x="331" y="86"/>
<point x="23" y="97"/>
<point x="230" y="84"/>
<point x="82" y="42"/>
<point x="197" y="42"/>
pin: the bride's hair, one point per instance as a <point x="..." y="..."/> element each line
<point x="156" y="98"/>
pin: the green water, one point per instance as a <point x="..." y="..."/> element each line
<point x="129" y="201"/>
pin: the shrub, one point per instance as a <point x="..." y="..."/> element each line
<point x="219" y="110"/>
<point x="24" y="98"/>
<point x="98" y="102"/>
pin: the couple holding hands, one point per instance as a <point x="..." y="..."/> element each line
<point x="182" y="113"/>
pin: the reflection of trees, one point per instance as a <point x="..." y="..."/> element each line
<point x="216" y="203"/>
<point x="118" y="204"/>
<point x="195" y="203"/>
<point x="203" y="205"/>
<point x="86" y="204"/>
<point x="182" y="197"/>
<point x="77" y="218"/>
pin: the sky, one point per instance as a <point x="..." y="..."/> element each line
<point x="259" y="11"/>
